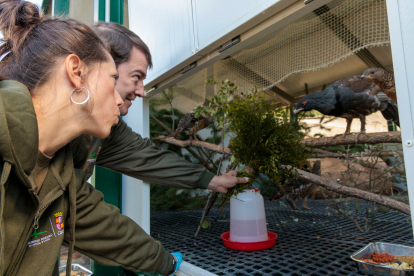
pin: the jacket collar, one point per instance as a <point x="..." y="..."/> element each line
<point x="18" y="128"/>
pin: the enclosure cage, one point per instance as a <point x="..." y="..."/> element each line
<point x="286" y="48"/>
<point x="333" y="41"/>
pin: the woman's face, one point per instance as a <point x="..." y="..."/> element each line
<point x="104" y="98"/>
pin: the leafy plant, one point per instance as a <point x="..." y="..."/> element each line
<point x="260" y="136"/>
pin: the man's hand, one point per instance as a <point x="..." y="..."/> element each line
<point x="220" y="183"/>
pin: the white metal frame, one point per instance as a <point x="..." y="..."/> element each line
<point x="401" y="24"/>
<point x="275" y="18"/>
<point x="136" y="193"/>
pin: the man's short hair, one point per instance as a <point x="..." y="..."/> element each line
<point x="121" y="41"/>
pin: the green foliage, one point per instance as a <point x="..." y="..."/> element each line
<point x="262" y="140"/>
<point x="262" y="137"/>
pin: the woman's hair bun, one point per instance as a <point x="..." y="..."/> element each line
<point x="17" y="18"/>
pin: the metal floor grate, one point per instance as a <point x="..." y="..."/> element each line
<point x="315" y="245"/>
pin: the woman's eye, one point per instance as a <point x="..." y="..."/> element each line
<point x="116" y="77"/>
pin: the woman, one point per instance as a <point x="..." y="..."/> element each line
<point x="58" y="82"/>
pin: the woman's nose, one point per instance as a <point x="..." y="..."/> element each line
<point x="118" y="99"/>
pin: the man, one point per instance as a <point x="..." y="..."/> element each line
<point x="127" y="152"/>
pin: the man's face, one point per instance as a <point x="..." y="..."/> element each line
<point x="131" y="76"/>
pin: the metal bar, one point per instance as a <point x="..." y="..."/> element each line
<point x="107" y="11"/>
<point x="401" y="23"/>
<point x="60" y="7"/>
<point x="243" y="70"/>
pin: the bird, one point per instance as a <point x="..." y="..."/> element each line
<point x="190" y="125"/>
<point x="299" y="188"/>
<point x="384" y="80"/>
<point x="350" y="98"/>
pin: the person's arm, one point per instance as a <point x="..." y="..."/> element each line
<point x="112" y="239"/>
<point x="128" y="153"/>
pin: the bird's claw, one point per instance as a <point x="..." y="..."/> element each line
<point x="343" y="135"/>
<point x="356" y="137"/>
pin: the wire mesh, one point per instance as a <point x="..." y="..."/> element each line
<point x="326" y="36"/>
<point x="310" y="242"/>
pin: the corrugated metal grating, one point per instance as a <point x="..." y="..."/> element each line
<point x="317" y="244"/>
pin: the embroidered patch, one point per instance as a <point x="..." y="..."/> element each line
<point x="59" y="221"/>
<point x="93" y="156"/>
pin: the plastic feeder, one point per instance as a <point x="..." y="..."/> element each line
<point x="248" y="230"/>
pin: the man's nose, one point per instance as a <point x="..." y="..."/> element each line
<point x="140" y="92"/>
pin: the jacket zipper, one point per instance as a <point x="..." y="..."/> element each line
<point x="40" y="211"/>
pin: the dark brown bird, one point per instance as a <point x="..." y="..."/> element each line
<point x="190" y="125"/>
<point x="350" y="98"/>
<point x="298" y="188"/>
<point x="383" y="79"/>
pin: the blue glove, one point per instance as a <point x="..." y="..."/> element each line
<point x="179" y="260"/>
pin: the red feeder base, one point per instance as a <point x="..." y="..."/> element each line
<point x="249" y="246"/>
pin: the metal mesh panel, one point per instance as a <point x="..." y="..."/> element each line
<point x="334" y="41"/>
<point x="325" y="36"/>
<point x="317" y="244"/>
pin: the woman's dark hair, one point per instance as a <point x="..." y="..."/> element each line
<point x="121" y="40"/>
<point x="33" y="43"/>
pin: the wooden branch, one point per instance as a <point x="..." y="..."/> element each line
<point x="323" y="182"/>
<point x="192" y="152"/>
<point x="194" y="143"/>
<point x="318" y="153"/>
<point x="367" y="138"/>
<point x="354" y="192"/>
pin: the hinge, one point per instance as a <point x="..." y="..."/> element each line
<point x="229" y="44"/>
<point x="189" y="67"/>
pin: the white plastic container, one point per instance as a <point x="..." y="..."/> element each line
<point x="247" y="217"/>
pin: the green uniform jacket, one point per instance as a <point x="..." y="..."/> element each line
<point x="128" y="153"/>
<point x="67" y="210"/>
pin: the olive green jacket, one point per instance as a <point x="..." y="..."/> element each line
<point x="66" y="210"/>
<point x="128" y="153"/>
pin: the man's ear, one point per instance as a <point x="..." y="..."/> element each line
<point x="75" y="70"/>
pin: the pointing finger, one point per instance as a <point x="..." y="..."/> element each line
<point x="242" y="179"/>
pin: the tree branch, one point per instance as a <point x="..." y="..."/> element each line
<point x="323" y="182"/>
<point x="354" y="192"/>
<point x="318" y="153"/>
<point x="191" y="151"/>
<point x="367" y="138"/>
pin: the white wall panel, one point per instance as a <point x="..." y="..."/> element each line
<point x="167" y="28"/>
<point x="216" y="18"/>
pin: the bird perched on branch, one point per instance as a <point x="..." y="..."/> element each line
<point x="190" y="125"/>
<point x="350" y="98"/>
<point x="383" y="79"/>
<point x="298" y="188"/>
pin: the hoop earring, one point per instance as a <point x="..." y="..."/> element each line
<point x="85" y="101"/>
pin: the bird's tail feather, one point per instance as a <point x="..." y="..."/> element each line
<point x="391" y="113"/>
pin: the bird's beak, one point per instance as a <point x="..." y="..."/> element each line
<point x="363" y="77"/>
<point x="297" y="110"/>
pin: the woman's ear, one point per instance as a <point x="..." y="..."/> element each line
<point x="75" y="69"/>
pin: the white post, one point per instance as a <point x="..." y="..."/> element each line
<point x="95" y="11"/>
<point x="136" y="193"/>
<point x="401" y="25"/>
<point x="107" y="11"/>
